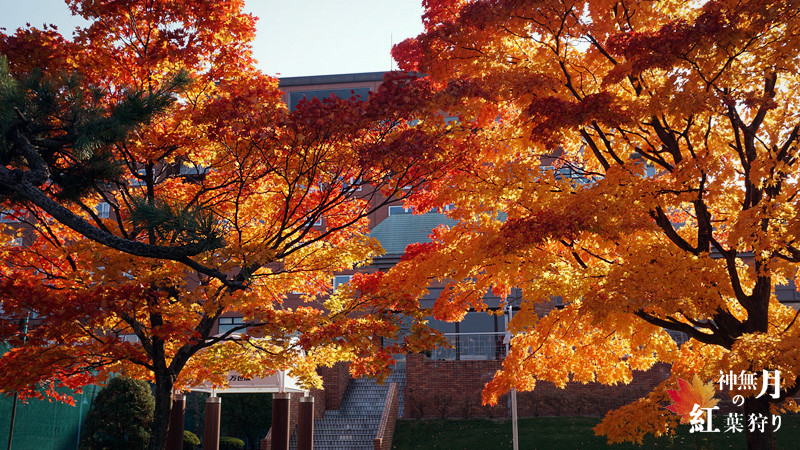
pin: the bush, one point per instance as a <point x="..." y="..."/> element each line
<point x="121" y="416"/>
<point x="190" y="440"/>
<point x="230" y="443"/>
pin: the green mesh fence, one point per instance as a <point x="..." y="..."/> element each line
<point x="42" y="425"/>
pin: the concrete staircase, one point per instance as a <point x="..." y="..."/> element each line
<point x="355" y="424"/>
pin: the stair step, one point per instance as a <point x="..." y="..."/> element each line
<point x="355" y="424"/>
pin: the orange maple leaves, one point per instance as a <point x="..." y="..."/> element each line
<point x="649" y="103"/>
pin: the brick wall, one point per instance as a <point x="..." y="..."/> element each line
<point x="453" y="389"/>
<point x="436" y="389"/>
<point x="592" y="399"/>
<point x="335" y="380"/>
<point x="266" y="443"/>
<point x="448" y="388"/>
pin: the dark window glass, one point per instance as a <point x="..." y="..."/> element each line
<point x="477" y="322"/>
<point x="295" y="97"/>
<point x="444" y="327"/>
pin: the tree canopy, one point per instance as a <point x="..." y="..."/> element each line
<point x="637" y="159"/>
<point x="157" y="181"/>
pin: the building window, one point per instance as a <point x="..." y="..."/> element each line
<point x="477" y="337"/>
<point x="138" y="181"/>
<point x="192" y="169"/>
<point x="296" y="96"/>
<point x="678" y="336"/>
<point x="354" y="185"/>
<point x="399" y="210"/>
<point x="229" y="323"/>
<point x="339" y="280"/>
<point x="103" y="210"/>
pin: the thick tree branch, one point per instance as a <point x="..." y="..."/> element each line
<point x="17" y="181"/>
<point x="672" y="324"/>
<point x="666" y="225"/>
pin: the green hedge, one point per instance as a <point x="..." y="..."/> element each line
<point x="230" y="443"/>
<point x="190" y="440"/>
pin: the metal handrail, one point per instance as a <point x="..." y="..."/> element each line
<point x="471" y="346"/>
<point x="388" y="406"/>
<point x="476" y="333"/>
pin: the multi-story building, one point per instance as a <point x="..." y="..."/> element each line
<point x="448" y="381"/>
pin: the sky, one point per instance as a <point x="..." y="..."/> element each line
<point x="293" y="37"/>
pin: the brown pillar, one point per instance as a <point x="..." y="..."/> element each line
<point x="305" y="426"/>
<point x="175" y="433"/>
<point x="211" y="428"/>
<point x="280" y="421"/>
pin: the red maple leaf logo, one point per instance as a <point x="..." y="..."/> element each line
<point x="688" y="395"/>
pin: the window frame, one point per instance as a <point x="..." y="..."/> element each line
<point x="339" y="280"/>
<point x="409" y="210"/>
<point x="226" y="324"/>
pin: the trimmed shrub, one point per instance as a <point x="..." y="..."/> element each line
<point x="230" y="443"/>
<point x="190" y="440"/>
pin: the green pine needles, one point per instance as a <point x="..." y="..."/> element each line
<point x="176" y="224"/>
<point x="55" y="122"/>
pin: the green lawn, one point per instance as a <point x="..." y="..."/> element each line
<point x="559" y="433"/>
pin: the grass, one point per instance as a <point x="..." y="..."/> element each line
<point x="561" y="433"/>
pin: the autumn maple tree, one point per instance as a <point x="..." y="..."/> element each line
<point x="152" y="180"/>
<point x="637" y="159"/>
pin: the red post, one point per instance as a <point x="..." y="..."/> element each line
<point x="305" y="426"/>
<point x="280" y="421"/>
<point x="211" y="428"/>
<point x="175" y="433"/>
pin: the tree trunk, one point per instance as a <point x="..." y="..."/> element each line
<point x="163" y="394"/>
<point x="756" y="439"/>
